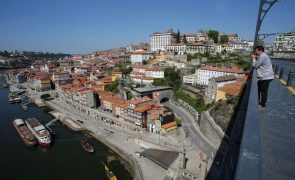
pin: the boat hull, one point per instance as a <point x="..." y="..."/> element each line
<point x="28" y="143"/>
<point x="41" y="134"/>
<point x="86" y="146"/>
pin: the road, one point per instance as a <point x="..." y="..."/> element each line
<point x="124" y="127"/>
<point x="194" y="134"/>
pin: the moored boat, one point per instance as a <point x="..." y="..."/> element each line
<point x="14" y="99"/>
<point x="86" y="146"/>
<point x="40" y="132"/>
<point x="109" y="173"/>
<point x="24" y="132"/>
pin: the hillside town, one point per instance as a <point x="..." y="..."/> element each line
<point x="168" y="90"/>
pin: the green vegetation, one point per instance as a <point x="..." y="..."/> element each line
<point x="223" y="39"/>
<point x="160" y="82"/>
<point x="195" y="56"/>
<point x="124" y="69"/>
<point x="197" y="103"/>
<point x="129" y="96"/>
<point x="140" y="85"/>
<point x="184" y="39"/>
<point x="178" y="38"/>
<point x="213" y="34"/>
<point x="241" y="61"/>
<point x="113" y="87"/>
<point x="171" y="78"/>
<point x="178" y="121"/>
<point x="223" y="110"/>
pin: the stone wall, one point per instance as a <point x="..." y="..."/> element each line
<point x="210" y="129"/>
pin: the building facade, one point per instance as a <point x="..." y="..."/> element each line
<point x="207" y="72"/>
<point x="140" y="55"/>
<point x="285" y="43"/>
<point x="218" y="82"/>
<point x="190" y="79"/>
<point x="159" y="40"/>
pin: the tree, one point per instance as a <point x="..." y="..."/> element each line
<point x="173" y="78"/>
<point x="178" y="37"/>
<point x="144" y="62"/>
<point x="184" y="39"/>
<point x="213" y="34"/>
<point x="223" y="39"/>
<point x="113" y="87"/>
<point x="201" y="31"/>
<point x="160" y="82"/>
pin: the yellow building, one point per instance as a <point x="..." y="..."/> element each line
<point x="220" y="95"/>
<point x="231" y="89"/>
<point x="169" y="127"/>
<point x="116" y="74"/>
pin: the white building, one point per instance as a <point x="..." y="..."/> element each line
<point x="190" y="79"/>
<point x="191" y="48"/>
<point x="143" y="80"/>
<point x="285" y="43"/>
<point x="178" y="65"/>
<point x="155" y="72"/>
<point x="140" y="55"/>
<point x="146" y="74"/>
<point x="147" y="71"/>
<point x="190" y="38"/>
<point x="207" y="72"/>
<point x="160" y="40"/>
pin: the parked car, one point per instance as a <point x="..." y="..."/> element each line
<point x="80" y="121"/>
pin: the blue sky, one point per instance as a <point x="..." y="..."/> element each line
<point x="83" y="26"/>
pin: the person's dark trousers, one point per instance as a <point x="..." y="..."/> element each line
<point x="262" y="91"/>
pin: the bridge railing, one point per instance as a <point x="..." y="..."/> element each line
<point x="239" y="155"/>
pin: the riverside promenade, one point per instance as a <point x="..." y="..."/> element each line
<point x="128" y="140"/>
<point x="126" y="146"/>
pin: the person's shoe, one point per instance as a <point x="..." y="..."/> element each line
<point x="261" y="108"/>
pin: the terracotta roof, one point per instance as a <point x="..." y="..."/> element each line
<point x="169" y="125"/>
<point x="224" y="78"/>
<point x="103" y="94"/>
<point x="78" y="89"/>
<point x="232" y="88"/>
<point x="136" y="73"/>
<point x="145" y="107"/>
<point x="222" y="69"/>
<point x="143" y="77"/>
<point x="197" y="44"/>
<point x="142" y="100"/>
<point x="154" y="69"/>
<point x="140" y="67"/>
<point x="106" y="80"/>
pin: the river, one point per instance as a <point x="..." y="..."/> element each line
<point x="66" y="159"/>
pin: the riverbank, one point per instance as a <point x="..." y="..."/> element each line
<point x="129" y="163"/>
<point x="60" y="160"/>
<point x="127" y="146"/>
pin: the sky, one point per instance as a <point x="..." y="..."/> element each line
<point x="84" y="26"/>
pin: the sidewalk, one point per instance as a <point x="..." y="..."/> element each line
<point x="277" y="126"/>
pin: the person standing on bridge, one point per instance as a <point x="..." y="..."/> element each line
<point x="262" y="64"/>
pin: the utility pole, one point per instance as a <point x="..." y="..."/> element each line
<point x="264" y="7"/>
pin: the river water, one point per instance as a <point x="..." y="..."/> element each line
<point x="66" y="159"/>
<point x="287" y="65"/>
